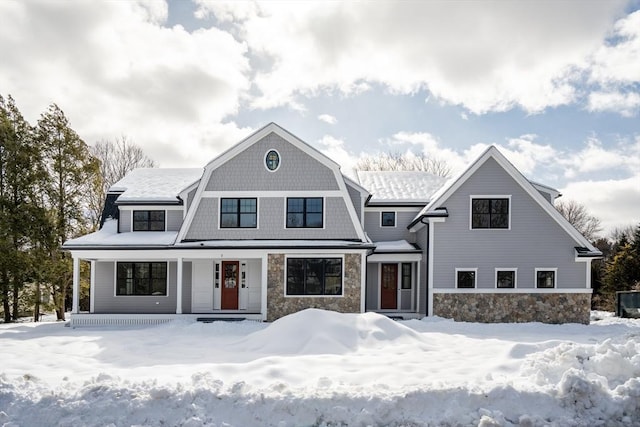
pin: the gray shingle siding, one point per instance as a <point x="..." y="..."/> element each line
<point x="535" y="240"/>
<point x="107" y="302"/>
<point x="356" y="199"/>
<point x="247" y="170"/>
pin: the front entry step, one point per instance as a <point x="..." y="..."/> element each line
<point x="220" y="319"/>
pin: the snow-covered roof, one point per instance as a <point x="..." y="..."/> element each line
<point x="400" y="186"/>
<point x="395" y="246"/>
<point x="108" y="236"/>
<point x="155" y="184"/>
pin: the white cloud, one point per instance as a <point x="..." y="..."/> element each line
<point x="327" y="118"/>
<point x="114" y="69"/>
<point x="615" y="202"/>
<point x="596" y="157"/>
<point x="627" y="104"/>
<point x="334" y="148"/>
<point x="486" y="56"/>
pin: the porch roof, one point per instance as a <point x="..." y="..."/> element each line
<point x="396" y="246"/>
<point x="108" y="236"/>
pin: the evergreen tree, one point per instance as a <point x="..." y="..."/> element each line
<point x="21" y="176"/>
<point x="72" y="176"/>
<point x="622" y="272"/>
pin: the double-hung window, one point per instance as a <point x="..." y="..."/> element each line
<point x="314" y="276"/>
<point x="141" y="278"/>
<point x="238" y="213"/>
<point x="489" y="212"/>
<point x="148" y="220"/>
<point x="304" y="212"/>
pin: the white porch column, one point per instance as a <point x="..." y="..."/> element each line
<point x="92" y="292"/>
<point x="179" y="288"/>
<point x="76" y="285"/>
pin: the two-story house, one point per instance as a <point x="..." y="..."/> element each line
<point x="272" y="226"/>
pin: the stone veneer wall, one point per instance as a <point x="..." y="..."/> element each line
<point x="278" y="305"/>
<point x="494" y="308"/>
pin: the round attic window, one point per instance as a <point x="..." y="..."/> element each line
<point x="272" y="160"/>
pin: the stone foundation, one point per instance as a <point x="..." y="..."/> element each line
<point x="278" y="305"/>
<point x="498" y="308"/>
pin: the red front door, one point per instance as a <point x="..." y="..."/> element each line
<point x="389" y="287"/>
<point x="230" y="274"/>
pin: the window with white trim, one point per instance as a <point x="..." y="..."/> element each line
<point x="546" y="278"/>
<point x="506" y="278"/>
<point x="141" y="278"/>
<point x="238" y="213"/>
<point x="148" y="220"/>
<point x="314" y="276"/>
<point x="466" y="278"/>
<point x="489" y="213"/>
<point x="304" y="212"/>
<point x="406" y="275"/>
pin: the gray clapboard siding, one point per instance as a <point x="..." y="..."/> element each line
<point x="186" y="286"/>
<point x="372" y="287"/>
<point x="534" y="240"/>
<point x="107" y="302"/>
<point x="124" y="221"/>
<point x="247" y="170"/>
<point x="387" y="234"/>
<point x="174" y="220"/>
<point x="271" y="222"/>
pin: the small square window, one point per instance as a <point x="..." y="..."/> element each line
<point x="545" y="279"/>
<point x="388" y="219"/>
<point x="466" y="279"/>
<point x="505" y="278"/>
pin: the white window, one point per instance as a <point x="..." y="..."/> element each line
<point x="466" y="278"/>
<point x="506" y="278"/>
<point x="546" y="278"/>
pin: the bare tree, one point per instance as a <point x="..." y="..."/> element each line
<point x="588" y="225"/>
<point x="117" y="158"/>
<point x="404" y="162"/>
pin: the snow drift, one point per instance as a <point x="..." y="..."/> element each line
<point x="317" y="368"/>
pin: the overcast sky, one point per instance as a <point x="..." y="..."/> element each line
<point x="554" y="84"/>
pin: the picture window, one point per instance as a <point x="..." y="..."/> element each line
<point x="314" y="276"/>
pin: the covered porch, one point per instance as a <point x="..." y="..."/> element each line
<point x="133" y="287"/>
<point x="393" y="280"/>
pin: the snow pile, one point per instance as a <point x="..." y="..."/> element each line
<point x="315" y="331"/>
<point x="318" y="368"/>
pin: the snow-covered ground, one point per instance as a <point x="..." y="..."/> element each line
<point x="318" y="368"/>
